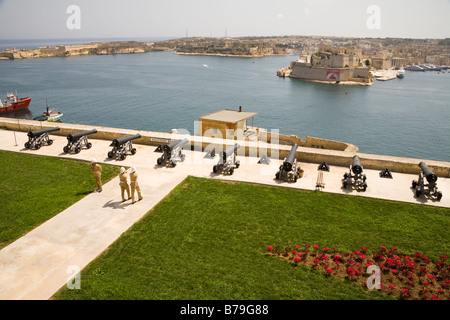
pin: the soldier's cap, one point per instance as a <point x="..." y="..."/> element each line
<point x="122" y="170"/>
<point x="93" y="161"/>
<point x="133" y="169"/>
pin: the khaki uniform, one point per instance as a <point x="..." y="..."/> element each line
<point x="97" y="169"/>
<point x="134" y="186"/>
<point x="124" y="186"/>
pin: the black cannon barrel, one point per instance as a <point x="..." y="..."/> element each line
<point x="173" y="145"/>
<point x="288" y="162"/>
<point x="431" y="177"/>
<point x="120" y="141"/>
<point x="37" y="133"/>
<point x="229" y="151"/>
<point x="77" y="135"/>
<point x="356" y="168"/>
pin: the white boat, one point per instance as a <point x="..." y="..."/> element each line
<point x="50" y="116"/>
<point x="401" y="73"/>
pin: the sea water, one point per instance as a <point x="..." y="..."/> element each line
<point x="160" y="91"/>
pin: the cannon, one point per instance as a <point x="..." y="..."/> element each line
<point x="289" y="171"/>
<point x="227" y="161"/>
<point x="172" y="153"/>
<point x="122" y="146"/>
<point x="427" y="189"/>
<point x="78" y="140"/>
<point x="355" y="177"/>
<point x="37" y="138"/>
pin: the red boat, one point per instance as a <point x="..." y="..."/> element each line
<point x="12" y="103"/>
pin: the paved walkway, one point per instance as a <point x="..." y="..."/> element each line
<point x="41" y="262"/>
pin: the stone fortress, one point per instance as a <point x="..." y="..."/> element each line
<point x="331" y="65"/>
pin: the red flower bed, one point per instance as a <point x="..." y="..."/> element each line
<point x="408" y="277"/>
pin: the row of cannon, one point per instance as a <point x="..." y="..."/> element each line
<point x="289" y="170"/>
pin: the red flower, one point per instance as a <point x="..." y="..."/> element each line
<point x="329" y="271"/>
<point x="443" y="257"/>
<point x="364" y="249"/>
<point x="391" y="286"/>
<point x="296" y="259"/>
<point x="326" y="249"/>
<point x="270" y="248"/>
<point x="297" y="246"/>
<point x="425" y="284"/>
<point x="405" y="293"/>
<point x="316" y="247"/>
<point x="394" y="271"/>
<point x="382" y="249"/>
<point x="294" y="252"/>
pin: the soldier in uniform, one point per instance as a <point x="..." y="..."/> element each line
<point x="97" y="169"/>
<point x="134" y="185"/>
<point x="124" y="184"/>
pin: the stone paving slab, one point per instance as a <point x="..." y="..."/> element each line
<point x="38" y="264"/>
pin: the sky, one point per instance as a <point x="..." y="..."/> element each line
<point x="51" y="19"/>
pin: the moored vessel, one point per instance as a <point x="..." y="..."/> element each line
<point x="12" y="103"/>
<point x="50" y="115"/>
<point x="401" y="73"/>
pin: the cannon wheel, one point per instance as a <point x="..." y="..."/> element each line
<point x="27" y="145"/>
<point x="37" y="146"/>
<point x="215" y="169"/>
<point x="439" y="196"/>
<point x="231" y="171"/>
<point x="364" y="186"/>
<point x="414" y="184"/>
<point x="237" y="164"/>
<point x="159" y="161"/>
<point x="77" y="150"/>
<point x="295" y="177"/>
<point x="66" y="149"/>
<point x="50" y="142"/>
<point x="122" y="157"/>
<point x="182" y="157"/>
<point x="344" y="184"/>
<point x="133" y="151"/>
<point x="277" y="175"/>
<point x="173" y="164"/>
<point x="110" y="154"/>
<point x="88" y="145"/>
<point x="418" y="193"/>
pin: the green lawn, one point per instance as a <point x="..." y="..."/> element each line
<point x="34" y="188"/>
<point x="207" y="240"/>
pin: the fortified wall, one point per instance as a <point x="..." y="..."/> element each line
<point x="301" y="70"/>
<point x="304" y="153"/>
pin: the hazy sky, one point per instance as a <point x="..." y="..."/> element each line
<point x="29" y="19"/>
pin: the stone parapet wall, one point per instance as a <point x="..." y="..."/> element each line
<point x="248" y="148"/>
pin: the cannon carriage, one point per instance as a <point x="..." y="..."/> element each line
<point x="76" y="141"/>
<point x="172" y="153"/>
<point x="355" y="177"/>
<point x="289" y="170"/>
<point x="122" y="147"/>
<point x="37" y="138"/>
<point x="227" y="161"/>
<point x="426" y="189"/>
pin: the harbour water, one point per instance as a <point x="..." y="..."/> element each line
<point x="159" y="91"/>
